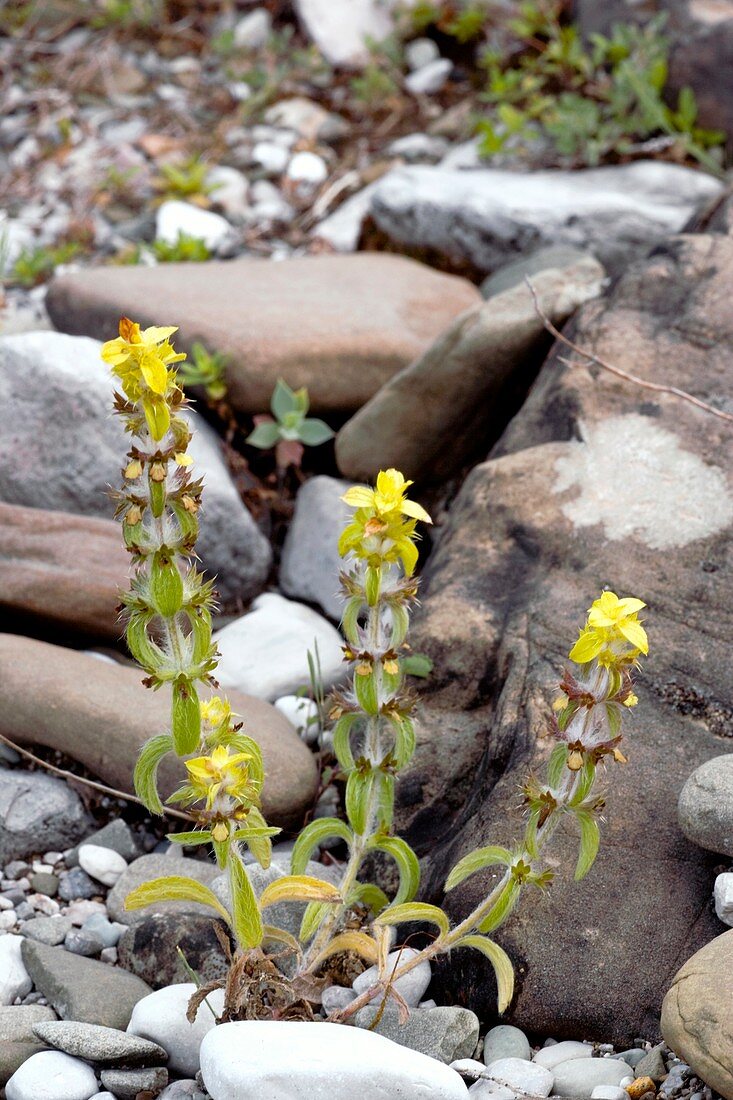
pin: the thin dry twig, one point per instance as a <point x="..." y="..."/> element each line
<point x="626" y="375"/>
<point x="89" y="782"/>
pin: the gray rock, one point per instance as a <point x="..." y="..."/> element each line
<point x="150" y="948"/>
<point x="487" y="216"/>
<point x="652" y="1064"/>
<point x="72" y="471"/>
<point x="83" y="989"/>
<point x="341" y="31"/>
<point x="311" y="563"/>
<point x="579" y="1076"/>
<point x="520" y="1076"/>
<point x="158" y="866"/>
<point x="37" y="810"/>
<point x="552" y="1056"/>
<point x="75" y="884"/>
<point x="49" y="930"/>
<point x="108" y="932"/>
<point x="429" y="78"/>
<point x="43" y="882"/>
<point x="411" y="986"/>
<point x="445" y="1033"/>
<point x="116" y="835"/>
<point x="81" y="942"/>
<point x="705" y="807"/>
<point x="632" y="1057"/>
<point x="18" y="1041"/>
<point x="161" y="1017"/>
<point x="103" y="1045"/>
<point x="505" y="1041"/>
<point x="723" y="897"/>
<point x="446" y="408"/>
<point x="552" y="257"/>
<point x="127" y="1083"/>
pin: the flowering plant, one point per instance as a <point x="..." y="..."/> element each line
<point x="168" y="615"/>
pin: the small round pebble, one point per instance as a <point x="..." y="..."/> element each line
<point x="161" y="1017"/>
<point x="75" y="884"/>
<point x="506" y="1041"/>
<point x="336" y="997"/>
<point x="609" y="1092"/>
<point x="80" y="942"/>
<point x="410" y="986"/>
<point x="51" y="1075"/>
<point x="549" y="1057"/>
<point x="102" y="864"/>
<point x="14" y="979"/>
<point x="579" y="1076"/>
<point x="302" y="713"/>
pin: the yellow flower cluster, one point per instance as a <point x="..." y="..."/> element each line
<point x="612" y="632"/>
<point x="383" y="526"/>
<point x="141" y="359"/>
<point x="221" y="775"/>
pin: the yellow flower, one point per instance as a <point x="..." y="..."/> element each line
<point x="221" y="774"/>
<point x="611" y="622"/>
<point x="388" y="498"/>
<point x="383" y="526"/>
<point x="215" y="711"/>
<point x="141" y="359"/>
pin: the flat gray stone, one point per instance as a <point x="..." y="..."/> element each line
<point x="158" y="866"/>
<point x="446" y="1033"/>
<point x="44" y="465"/>
<point x="310" y="563"/>
<point x="488" y="216"/>
<point x="104" y="1045"/>
<point x="149" y="947"/>
<point x="552" y="257"/>
<point x="705" y="807"/>
<point x="127" y="1083"/>
<point x="37" y="811"/>
<point x="83" y="989"/>
<point x="18" y="1040"/>
<point x="49" y="930"/>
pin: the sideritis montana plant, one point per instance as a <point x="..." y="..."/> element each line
<point x="274" y="974"/>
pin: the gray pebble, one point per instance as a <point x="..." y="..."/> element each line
<point x="108" y="932"/>
<point x="81" y="942"/>
<point x="103" y="1045"/>
<point x="75" y="884"/>
<point x="506" y="1041"/>
<point x="652" y="1064"/>
<point x="49" y="930"/>
<point x="127" y="1083"/>
<point x="44" y="883"/>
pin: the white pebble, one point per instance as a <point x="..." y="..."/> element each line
<point x="549" y="1057"/>
<point x="8" y="919"/>
<point x="5" y="903"/>
<point x="429" y="78"/>
<point x="270" y="157"/>
<point x="175" y="217"/>
<point x="489" y="1090"/>
<point x="609" y="1092"/>
<point x="723" y="894"/>
<point x="52" y="858"/>
<point x="103" y="864"/>
<point x="307" y="168"/>
<point x="302" y="713"/>
<point x="420" y="52"/>
<point x="521" y="1076"/>
<point x="410" y="986"/>
<point x="253" y="30"/>
<point x="161" y="1017"/>
<point x="626" y="1081"/>
<point x="43" y="904"/>
<point x="51" y="1075"/>
<point x="80" y="911"/>
<point x="14" y="979"/>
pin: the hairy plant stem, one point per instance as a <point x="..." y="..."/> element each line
<point x="361" y="841"/>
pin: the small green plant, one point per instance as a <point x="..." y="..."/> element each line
<point x="168" y="629"/>
<point x="207" y="369"/>
<point x="185" y="181"/>
<point x="128" y="14"/>
<point x="185" y="250"/>
<point x="36" y="265"/>
<point x="375" y="86"/>
<point x="289" y="428"/>
<point x="589" y="102"/>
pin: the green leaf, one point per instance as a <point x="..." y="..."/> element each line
<point x="501" y="963"/>
<point x="341" y="740"/>
<point x="314" y="914"/>
<point x="417" y="664"/>
<point x="264" y="436"/>
<point x="258" y="836"/>
<point x="415" y="911"/>
<point x="407" y="864"/>
<point x="502" y="907"/>
<point x="146" y="770"/>
<point x="556" y="764"/>
<point x="404" y="745"/>
<point x="365" y="893"/>
<point x="246" y="917"/>
<point x="174" y="888"/>
<point x="185" y="717"/>
<point x="198" y="836"/>
<point x="313" y="835"/>
<point x="686" y="108"/>
<point x="590" y="839"/>
<point x="477" y="861"/>
<point x="357" y="799"/>
<point x="283" y="400"/>
<point x="367" y="692"/>
<point x="313" y="432"/>
<point x="271" y="934"/>
<point x="358" y="942"/>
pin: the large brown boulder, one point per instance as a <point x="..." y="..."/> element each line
<point x="596" y="482"/>
<point x="98" y="713"/>
<point x="62" y="569"/>
<point x="340" y="325"/>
